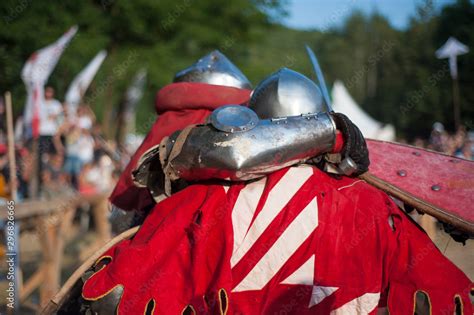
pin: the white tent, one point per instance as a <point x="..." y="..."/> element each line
<point x="342" y="102"/>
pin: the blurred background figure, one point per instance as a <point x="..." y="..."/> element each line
<point x="438" y="137"/>
<point x="50" y="119"/>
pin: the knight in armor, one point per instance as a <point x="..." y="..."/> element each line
<point x="262" y="226"/>
<point x="287" y="122"/>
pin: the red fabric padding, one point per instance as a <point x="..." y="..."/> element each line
<point x="178" y="105"/>
<point x="186" y="95"/>
<point x="339" y="144"/>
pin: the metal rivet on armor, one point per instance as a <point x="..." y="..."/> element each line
<point x="402" y="173"/>
<point x="416" y="153"/>
<point x="436" y="187"/>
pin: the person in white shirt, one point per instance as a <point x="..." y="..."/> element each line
<point x="50" y="116"/>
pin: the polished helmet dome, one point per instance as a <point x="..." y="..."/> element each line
<point x="286" y="93"/>
<point x="214" y="68"/>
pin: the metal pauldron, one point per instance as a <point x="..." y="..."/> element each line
<point x="267" y="146"/>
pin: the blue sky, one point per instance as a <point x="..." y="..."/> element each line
<point x="323" y="14"/>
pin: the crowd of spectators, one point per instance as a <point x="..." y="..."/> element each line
<point x="459" y="144"/>
<point x="72" y="153"/>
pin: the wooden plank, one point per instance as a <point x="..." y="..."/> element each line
<point x="102" y="225"/>
<point x="48" y="238"/>
<point x="32" y="283"/>
<point x="32" y="208"/>
<point x="11" y="146"/>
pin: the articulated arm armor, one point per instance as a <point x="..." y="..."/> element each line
<point x="236" y="145"/>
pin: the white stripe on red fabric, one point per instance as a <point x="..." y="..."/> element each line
<point x="285" y="246"/>
<point x="303" y="275"/>
<point x="364" y="304"/>
<point x="278" y="197"/>
<point x="244" y="209"/>
<point x="319" y="294"/>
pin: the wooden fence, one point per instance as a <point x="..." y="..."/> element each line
<point x="51" y="221"/>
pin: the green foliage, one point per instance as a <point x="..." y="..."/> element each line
<point x="393" y="74"/>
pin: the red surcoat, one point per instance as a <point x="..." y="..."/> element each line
<point x="296" y="242"/>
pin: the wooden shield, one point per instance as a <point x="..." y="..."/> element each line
<point x="432" y="182"/>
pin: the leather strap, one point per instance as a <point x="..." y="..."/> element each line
<point x="166" y="160"/>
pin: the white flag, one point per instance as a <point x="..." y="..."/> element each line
<point x="451" y="49"/>
<point x="81" y="82"/>
<point x="35" y="74"/>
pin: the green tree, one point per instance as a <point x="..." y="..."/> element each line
<point x="163" y="36"/>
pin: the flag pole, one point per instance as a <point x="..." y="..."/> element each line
<point x="11" y="146"/>
<point x="18" y="282"/>
<point x="456" y="105"/>
<point x="34" y="179"/>
<point x="33" y="186"/>
<point x="450" y="50"/>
